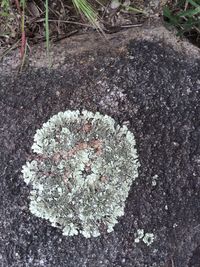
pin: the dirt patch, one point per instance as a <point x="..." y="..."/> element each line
<point x="64" y="20"/>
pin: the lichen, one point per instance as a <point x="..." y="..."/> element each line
<point x="147" y="238"/>
<point x="154" y="180"/>
<point x="139" y="235"/>
<point x="81" y="172"/>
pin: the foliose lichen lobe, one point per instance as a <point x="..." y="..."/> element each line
<point x="83" y="166"/>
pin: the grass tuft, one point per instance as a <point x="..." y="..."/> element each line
<point x="5" y="4"/>
<point x="24" y="23"/>
<point x="184" y="15"/>
<point x="87" y="10"/>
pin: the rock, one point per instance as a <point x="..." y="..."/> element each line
<point x="146" y="78"/>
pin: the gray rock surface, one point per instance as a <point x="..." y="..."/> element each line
<point x="146" y="78"/>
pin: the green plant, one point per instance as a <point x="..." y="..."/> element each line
<point x="184" y="15"/>
<point x="16" y="13"/>
<point x="23" y="34"/>
<point x="82" y="170"/>
<point x="5" y="4"/>
<point x="87" y="10"/>
<point x="47" y="28"/>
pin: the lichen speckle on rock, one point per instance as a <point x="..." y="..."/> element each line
<point x="81" y="172"/>
<point x="147" y="238"/>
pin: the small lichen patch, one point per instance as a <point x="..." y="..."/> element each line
<point x="139" y="235"/>
<point x="154" y="180"/>
<point x="147" y="238"/>
<point x="82" y="169"/>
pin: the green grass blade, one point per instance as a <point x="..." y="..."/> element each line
<point x="135" y="10"/>
<point x="85" y="8"/>
<point x="47" y="26"/>
<point x="190" y="13"/>
<point x="174" y="20"/>
<point x="193" y="3"/>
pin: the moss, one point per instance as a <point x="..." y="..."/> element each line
<point x="82" y="169"/>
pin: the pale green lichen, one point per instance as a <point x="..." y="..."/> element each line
<point x="147" y="238"/>
<point x="139" y="235"/>
<point x="154" y="180"/>
<point x="81" y="172"/>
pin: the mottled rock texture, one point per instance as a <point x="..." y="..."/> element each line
<point x="145" y="78"/>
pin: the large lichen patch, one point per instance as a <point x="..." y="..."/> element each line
<point x="81" y="172"/>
